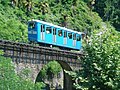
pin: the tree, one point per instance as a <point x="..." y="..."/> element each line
<point x="9" y="80"/>
<point x="52" y="68"/>
<point x="109" y="10"/>
<point x="101" y="64"/>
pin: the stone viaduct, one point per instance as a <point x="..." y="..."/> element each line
<point x="35" y="57"/>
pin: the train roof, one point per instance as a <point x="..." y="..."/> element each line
<point x="50" y="24"/>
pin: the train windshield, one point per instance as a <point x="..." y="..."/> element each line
<point x="78" y="38"/>
<point x="31" y="25"/>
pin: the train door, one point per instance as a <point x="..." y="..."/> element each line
<point x="70" y="40"/>
<point x="48" y="34"/>
<point x="74" y="40"/>
<point x="60" y="37"/>
<point x="78" y="46"/>
<point x="42" y="32"/>
<point x="65" y="38"/>
<point x="54" y="35"/>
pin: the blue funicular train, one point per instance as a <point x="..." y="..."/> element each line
<point x="50" y="34"/>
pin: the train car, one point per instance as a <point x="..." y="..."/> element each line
<point x="50" y="34"/>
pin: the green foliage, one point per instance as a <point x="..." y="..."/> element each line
<point x="6" y="74"/>
<point x="109" y="10"/>
<point x="101" y="64"/>
<point x="11" y="28"/>
<point x="52" y="67"/>
<point x="73" y="14"/>
<point x="43" y="72"/>
<point x="39" y="85"/>
<point x="9" y="80"/>
<point x="25" y="73"/>
<point x="1" y="52"/>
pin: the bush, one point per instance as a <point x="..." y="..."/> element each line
<point x="101" y="63"/>
<point x="9" y="80"/>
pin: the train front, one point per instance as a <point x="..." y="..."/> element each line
<point x="32" y="31"/>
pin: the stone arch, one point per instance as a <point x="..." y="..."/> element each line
<point x="68" y="82"/>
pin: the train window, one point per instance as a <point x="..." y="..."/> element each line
<point x="60" y="33"/>
<point x="74" y="36"/>
<point x="65" y="33"/>
<point x="48" y="30"/>
<point x="32" y="25"/>
<point x="42" y="28"/>
<point x="70" y="35"/>
<point x="54" y="31"/>
<point x="79" y="38"/>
